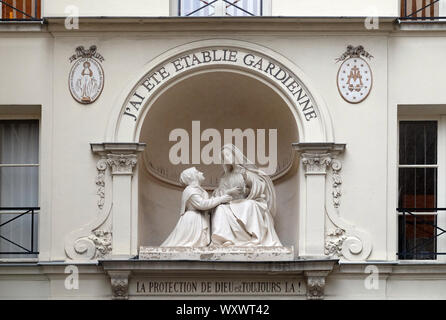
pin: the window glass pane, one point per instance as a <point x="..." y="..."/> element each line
<point x="251" y="6"/>
<point x="431" y="143"/>
<point x="19" y="186"/>
<point x="19" y="142"/>
<point x="232" y="7"/>
<point x="192" y="8"/>
<point x="417" y="188"/>
<point x="418" y="142"/>
<point x="417" y="237"/>
<point x="19" y="232"/>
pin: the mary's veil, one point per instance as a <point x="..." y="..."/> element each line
<point x="241" y="160"/>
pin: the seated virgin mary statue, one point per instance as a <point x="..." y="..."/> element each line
<point x="247" y="220"/>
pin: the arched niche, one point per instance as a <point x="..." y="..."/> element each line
<point x="218" y="99"/>
<point x="282" y="80"/>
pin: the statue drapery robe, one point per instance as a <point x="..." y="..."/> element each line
<point x="192" y="229"/>
<point x="248" y="219"/>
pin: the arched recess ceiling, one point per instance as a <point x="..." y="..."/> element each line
<point x="221" y="100"/>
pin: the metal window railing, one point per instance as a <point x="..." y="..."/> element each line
<point x="220" y="8"/>
<point x="21" y="10"/>
<point x="418" y="250"/>
<point x="20" y="248"/>
<point x="420" y="10"/>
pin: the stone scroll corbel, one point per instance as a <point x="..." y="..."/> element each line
<point x="119" y="284"/>
<point x="93" y="240"/>
<point x="316" y="284"/>
<point x="346" y="241"/>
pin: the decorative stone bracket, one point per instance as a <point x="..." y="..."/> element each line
<point x="103" y="236"/>
<point x="345" y="241"/>
<point x="93" y="240"/>
<point x="316" y="284"/>
<point x="119" y="284"/>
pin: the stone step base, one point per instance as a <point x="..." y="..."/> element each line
<point x="212" y="253"/>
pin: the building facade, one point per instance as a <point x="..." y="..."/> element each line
<point x="92" y="91"/>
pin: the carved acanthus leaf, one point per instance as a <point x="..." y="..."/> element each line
<point x="316" y="163"/>
<point x="103" y="242"/>
<point x="122" y="163"/>
<point x="334" y="241"/>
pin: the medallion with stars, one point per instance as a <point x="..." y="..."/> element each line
<point x="354" y="80"/>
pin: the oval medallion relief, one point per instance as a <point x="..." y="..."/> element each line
<point x="354" y="79"/>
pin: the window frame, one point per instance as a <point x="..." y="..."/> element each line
<point x="441" y="178"/>
<point x="7" y="113"/>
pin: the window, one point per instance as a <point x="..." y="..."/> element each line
<point x="20" y="9"/>
<point x="417" y="189"/>
<point x="234" y="8"/>
<point x="19" y="183"/>
<point x="420" y="10"/>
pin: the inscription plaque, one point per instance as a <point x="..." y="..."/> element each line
<point x="223" y="287"/>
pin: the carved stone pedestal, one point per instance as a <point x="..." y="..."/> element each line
<point x="213" y="253"/>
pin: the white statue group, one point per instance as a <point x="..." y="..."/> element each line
<point x="239" y="213"/>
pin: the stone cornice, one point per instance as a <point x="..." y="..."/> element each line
<point x="122" y="157"/>
<point x="117" y="147"/>
<point x="319" y="147"/>
<point x="209" y="24"/>
<point x="315" y="273"/>
<point x="236" y="267"/>
<point x="47" y="268"/>
<point x="388" y="25"/>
